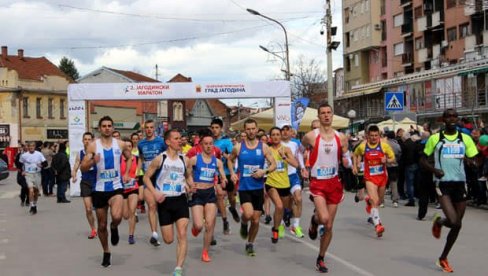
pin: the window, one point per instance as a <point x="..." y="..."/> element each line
<point x="463" y="30"/>
<point x="61" y="108"/>
<point x="348" y="39"/>
<point x="366" y="5"/>
<point x="346" y="15"/>
<point x="382" y="7"/>
<point x="398" y="20"/>
<point x="451" y="34"/>
<point x="368" y="31"/>
<point x="39" y="108"/>
<point x="25" y="107"/>
<point x="419" y="43"/>
<point x="348" y="64"/>
<point x="418" y="12"/>
<point x="398" y="49"/>
<point x="356" y="60"/>
<point x="450" y="3"/>
<point x="50" y="103"/>
<point x="177" y="111"/>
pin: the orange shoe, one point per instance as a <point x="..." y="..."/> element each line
<point x="368" y="205"/>
<point x="379" y="230"/>
<point x="444" y="265"/>
<point x="205" y="257"/>
<point x="93" y="234"/>
<point x="436" y="227"/>
<point x="194" y="232"/>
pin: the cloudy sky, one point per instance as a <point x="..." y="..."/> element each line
<point x="208" y="40"/>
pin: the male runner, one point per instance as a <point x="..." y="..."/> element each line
<point x="33" y="162"/>
<point x="149" y="148"/>
<point x="450" y="149"/>
<point x="328" y="148"/>
<point x="202" y="171"/>
<point x="88" y="180"/>
<point x="251" y="155"/>
<point x="105" y="153"/>
<point x="375" y="156"/>
<point x="165" y="179"/>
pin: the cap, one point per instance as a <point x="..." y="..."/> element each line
<point x="286" y="126"/>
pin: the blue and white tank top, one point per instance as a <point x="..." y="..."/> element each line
<point x="149" y="149"/>
<point x="170" y="177"/>
<point x="205" y="172"/>
<point x="250" y="160"/>
<point x="91" y="175"/>
<point x="108" y="168"/>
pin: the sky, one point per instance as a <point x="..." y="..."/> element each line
<point x="207" y="40"/>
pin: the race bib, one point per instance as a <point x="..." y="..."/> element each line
<point x="249" y="170"/>
<point x="131" y="184"/>
<point x="453" y="151"/>
<point x="280" y="166"/>
<point x="145" y="165"/>
<point x="376" y="170"/>
<point x="32" y="168"/>
<point x="109" y="175"/>
<point x="326" y="172"/>
<point x="172" y="188"/>
<point x="207" y="174"/>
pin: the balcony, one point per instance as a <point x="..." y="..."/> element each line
<point x="472" y="7"/>
<point x="421" y="23"/>
<point x="407" y="59"/>
<point x="436" y="19"/>
<point x="407" y="29"/>
<point x="424" y="54"/>
<point x="469" y="43"/>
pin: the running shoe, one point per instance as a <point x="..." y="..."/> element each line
<point x="368" y="205"/>
<point x="194" y="232"/>
<point x="281" y="231"/>
<point x="226" y="228"/>
<point x="321" y="266"/>
<point x="312" y="230"/>
<point x="234" y="214"/>
<point x="93" y="234"/>
<point x="370" y="220"/>
<point x="287" y="218"/>
<point x="114" y="236"/>
<point x="275" y="235"/>
<point x="250" y="250"/>
<point x="267" y="220"/>
<point x="436" y="226"/>
<point x="395" y="204"/>
<point x="137" y="217"/>
<point x="297" y="231"/>
<point x="178" y="272"/>
<point x="382" y="205"/>
<point x="444" y="265"/>
<point x="106" y="259"/>
<point x="131" y="239"/>
<point x="154" y="241"/>
<point x="213" y="242"/>
<point x="356" y="198"/>
<point x="34" y="210"/>
<point x="243" y="231"/>
<point x="379" y="230"/>
<point x="205" y="257"/>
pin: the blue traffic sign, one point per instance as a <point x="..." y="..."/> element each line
<point x="394" y="101"/>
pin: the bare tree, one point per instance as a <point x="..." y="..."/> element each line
<point x="308" y="79"/>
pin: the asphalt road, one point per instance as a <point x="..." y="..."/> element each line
<point x="54" y="242"/>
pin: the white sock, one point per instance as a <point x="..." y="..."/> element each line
<point x="295" y="222"/>
<point x="33" y="204"/>
<point x="155" y="235"/>
<point x="376" y="216"/>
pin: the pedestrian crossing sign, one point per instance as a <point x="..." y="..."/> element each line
<point x="394" y="101"/>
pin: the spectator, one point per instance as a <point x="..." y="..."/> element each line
<point x="411" y="157"/>
<point x="47" y="173"/>
<point x="62" y="170"/>
<point x="393" y="167"/>
<point x="425" y="181"/>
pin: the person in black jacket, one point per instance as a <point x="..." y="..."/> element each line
<point x="62" y="170"/>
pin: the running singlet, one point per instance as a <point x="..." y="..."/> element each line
<point x="374" y="169"/>
<point x="325" y="156"/>
<point x="108" y="168"/>
<point x="205" y="172"/>
<point x="249" y="161"/>
<point x="132" y="184"/>
<point x="148" y="149"/>
<point x="294" y="147"/>
<point x="225" y="146"/>
<point x="91" y="175"/>
<point x="170" y="177"/>
<point x="32" y="161"/>
<point x="279" y="177"/>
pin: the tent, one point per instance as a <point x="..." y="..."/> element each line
<point x="265" y="120"/>
<point x="404" y="124"/>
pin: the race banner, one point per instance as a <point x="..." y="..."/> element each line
<point x="298" y="108"/>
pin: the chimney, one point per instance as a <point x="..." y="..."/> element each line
<point x="4" y="52"/>
<point x="20" y="53"/>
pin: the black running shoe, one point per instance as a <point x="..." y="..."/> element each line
<point x="267" y="220"/>
<point x="106" y="259"/>
<point x="31" y="210"/>
<point x="312" y="230"/>
<point x="114" y="236"/>
<point x="154" y="241"/>
<point x="370" y="221"/>
<point x="226" y="227"/>
<point x="321" y="266"/>
<point x="213" y="242"/>
<point x="250" y="250"/>
<point x="244" y="231"/>
<point x="234" y="214"/>
<point x="287" y="218"/>
<point x="356" y="198"/>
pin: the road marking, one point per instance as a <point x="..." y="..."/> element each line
<point x="332" y="256"/>
<point x="11" y="194"/>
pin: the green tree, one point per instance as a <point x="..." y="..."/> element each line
<point x="68" y="67"/>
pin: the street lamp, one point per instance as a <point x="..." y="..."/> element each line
<point x="351" y="114"/>
<point x="253" y="12"/>
<point x="278" y="56"/>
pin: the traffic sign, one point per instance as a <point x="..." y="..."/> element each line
<point x="394" y="101"/>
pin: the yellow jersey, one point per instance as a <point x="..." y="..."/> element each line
<point x="279" y="177"/>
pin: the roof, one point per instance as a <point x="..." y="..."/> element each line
<point x="32" y="68"/>
<point x="217" y="107"/>
<point x="136" y="77"/>
<point x="180" y="78"/>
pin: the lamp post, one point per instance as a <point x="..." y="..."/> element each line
<point x="351" y="114"/>
<point x="253" y="12"/>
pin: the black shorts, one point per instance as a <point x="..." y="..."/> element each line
<point x="126" y="195"/>
<point x="230" y="185"/>
<point x="360" y="182"/>
<point x="202" y="197"/>
<point x="100" y="199"/>
<point x="255" y="197"/>
<point x="283" y="192"/>
<point x="172" y="209"/>
<point x="392" y="174"/>
<point x="456" y="190"/>
<point x="85" y="188"/>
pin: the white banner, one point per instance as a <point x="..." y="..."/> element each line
<point x="282" y="111"/>
<point x="76" y="127"/>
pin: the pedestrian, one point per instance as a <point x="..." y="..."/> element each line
<point x="392" y="168"/>
<point x="47" y="172"/>
<point x="24" y="190"/>
<point x="33" y="161"/>
<point x="62" y="171"/>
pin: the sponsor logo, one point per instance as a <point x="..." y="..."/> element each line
<point x="198" y="88"/>
<point x="224" y="88"/>
<point x="283" y="104"/>
<point x="146" y="89"/>
<point x="283" y="117"/>
<point x="76" y="108"/>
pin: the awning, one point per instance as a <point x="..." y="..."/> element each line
<point x="474" y="71"/>
<point x="360" y="93"/>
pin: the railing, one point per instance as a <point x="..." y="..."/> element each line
<point x="406" y="28"/>
<point x="407" y="58"/>
<point x="405" y="2"/>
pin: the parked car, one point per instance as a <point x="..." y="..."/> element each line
<point x="3" y="170"/>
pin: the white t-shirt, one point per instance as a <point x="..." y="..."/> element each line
<point x="32" y="161"/>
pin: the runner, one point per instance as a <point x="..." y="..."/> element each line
<point x="88" y="180"/>
<point x="134" y="137"/>
<point x="33" y="162"/>
<point x="149" y="148"/>
<point x="328" y="148"/>
<point x="105" y="153"/>
<point x="295" y="183"/>
<point x="278" y="182"/>
<point x="449" y="147"/>
<point x="165" y="179"/>
<point x="251" y="155"/>
<point x="202" y="171"/>
<point x="375" y="155"/>
<point x="131" y="191"/>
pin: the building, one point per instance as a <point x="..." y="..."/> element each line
<point x="434" y="51"/>
<point x="33" y="105"/>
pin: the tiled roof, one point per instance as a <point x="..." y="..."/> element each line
<point x="32" y="68"/>
<point x="134" y="76"/>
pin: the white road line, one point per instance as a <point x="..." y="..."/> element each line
<point x="332" y="256"/>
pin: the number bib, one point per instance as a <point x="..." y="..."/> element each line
<point x="280" y="166"/>
<point x="376" y="170"/>
<point x="130" y="185"/>
<point x="249" y="170"/>
<point x="326" y="172"/>
<point x="172" y="188"/>
<point x="109" y="175"/>
<point x="207" y="174"/>
<point x="453" y="151"/>
<point x="32" y="168"/>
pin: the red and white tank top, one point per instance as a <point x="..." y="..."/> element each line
<point x="325" y="156"/>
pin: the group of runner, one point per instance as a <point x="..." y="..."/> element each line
<point x="174" y="183"/>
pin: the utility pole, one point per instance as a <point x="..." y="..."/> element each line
<point x="328" y="22"/>
<point x="157" y="72"/>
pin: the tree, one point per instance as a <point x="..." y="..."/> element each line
<point x="308" y="79"/>
<point x="68" y="67"/>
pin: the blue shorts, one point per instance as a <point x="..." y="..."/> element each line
<point x="295" y="183"/>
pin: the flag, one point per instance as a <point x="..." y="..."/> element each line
<point x="298" y="107"/>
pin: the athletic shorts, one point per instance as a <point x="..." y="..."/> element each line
<point x="202" y="197"/>
<point x="127" y="194"/>
<point x="330" y="189"/>
<point x="283" y="192"/>
<point x="456" y="190"/>
<point x="230" y="185"/>
<point x="85" y="188"/>
<point x="172" y="209"/>
<point x="100" y="199"/>
<point x="378" y="180"/>
<point x="255" y="197"/>
<point x="295" y="183"/>
<point x="360" y="182"/>
<point x="33" y="180"/>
